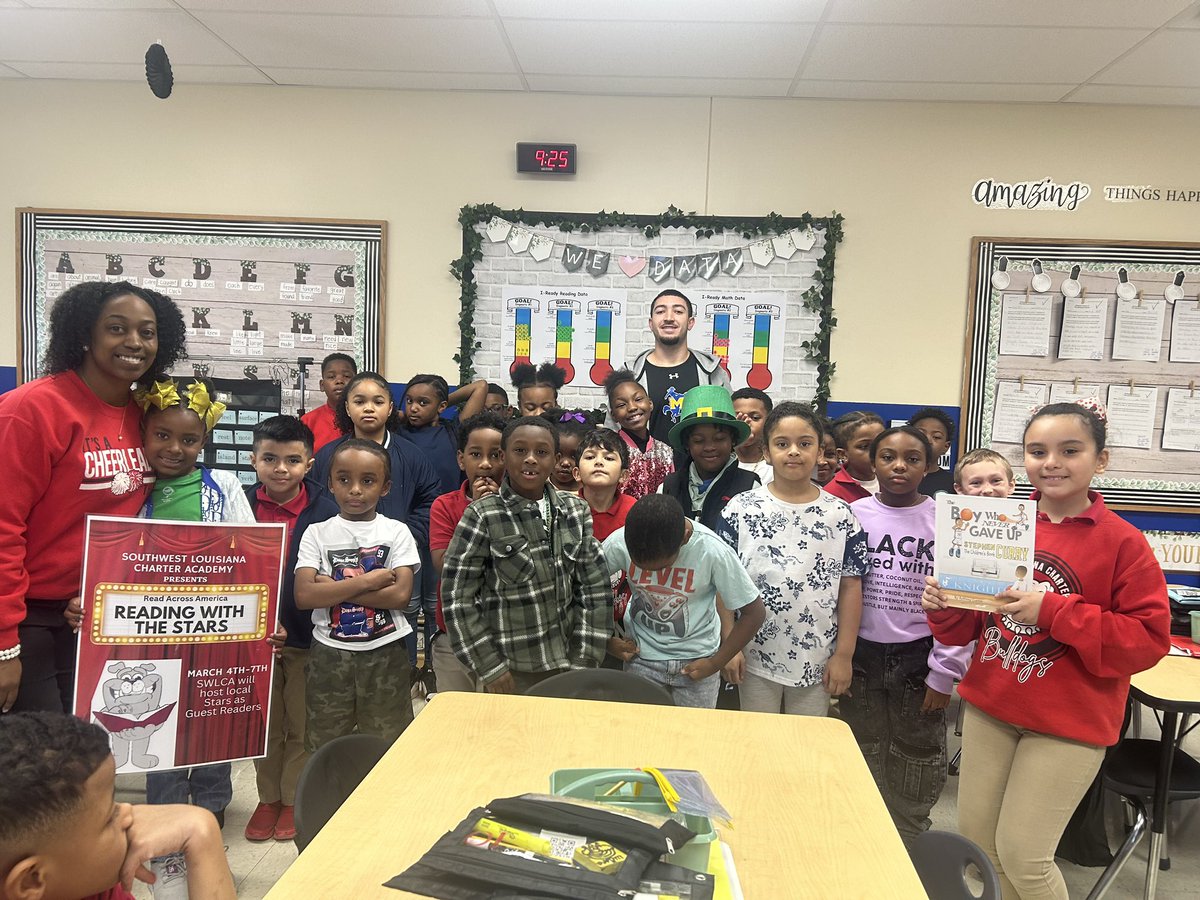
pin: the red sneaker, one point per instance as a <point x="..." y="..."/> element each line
<point x="261" y="826"/>
<point x="285" y="828"/>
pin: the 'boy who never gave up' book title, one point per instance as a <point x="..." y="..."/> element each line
<point x="984" y="546"/>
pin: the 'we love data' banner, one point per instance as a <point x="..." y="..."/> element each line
<point x="173" y="656"/>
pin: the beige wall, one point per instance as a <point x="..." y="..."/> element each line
<point x="900" y="173"/>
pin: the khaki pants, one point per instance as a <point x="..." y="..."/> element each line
<point x="763" y="695"/>
<point x="1017" y="790"/>
<point x="279" y="770"/>
<point x="450" y="673"/>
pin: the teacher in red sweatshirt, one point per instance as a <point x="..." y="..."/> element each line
<point x="70" y="445"/>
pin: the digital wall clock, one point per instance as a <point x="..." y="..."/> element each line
<point x="546" y="159"/>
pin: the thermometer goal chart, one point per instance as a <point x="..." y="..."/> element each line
<point x="744" y="331"/>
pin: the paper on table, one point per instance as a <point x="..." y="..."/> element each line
<point x="1181" y="426"/>
<point x="1083" y="328"/>
<point x="1069" y="393"/>
<point x="1014" y="406"/>
<point x="1025" y="325"/>
<point x="1138" y="331"/>
<point x="1185" y="331"/>
<point x="1131" y="415"/>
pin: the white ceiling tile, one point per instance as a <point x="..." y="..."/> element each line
<point x="184" y="75"/>
<point x="927" y="90"/>
<point x="1166" y="59"/>
<point x="107" y="36"/>
<point x="1189" y="18"/>
<point x="100" y="4"/>
<point x="667" y="10"/>
<point x="688" y="87"/>
<point x="444" y="8"/>
<point x="962" y="53"/>
<point x="685" y="49"/>
<point x="6" y="72"/>
<point x="1139" y="95"/>
<point x="1034" y="13"/>
<point x="11" y="4"/>
<point x="366" y="42"/>
<point x="446" y="81"/>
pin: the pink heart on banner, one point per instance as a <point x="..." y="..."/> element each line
<point x="632" y="265"/>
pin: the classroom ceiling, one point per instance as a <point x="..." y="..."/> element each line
<point x="1072" y="51"/>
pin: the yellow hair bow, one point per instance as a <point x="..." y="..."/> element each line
<point x="161" y="394"/>
<point x="199" y="402"/>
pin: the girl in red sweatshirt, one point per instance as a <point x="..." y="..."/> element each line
<point x="1047" y="685"/>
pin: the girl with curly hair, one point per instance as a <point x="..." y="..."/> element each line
<point x="537" y="387"/>
<point x="72" y="446"/>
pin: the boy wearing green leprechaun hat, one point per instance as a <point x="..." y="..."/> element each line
<point x="707" y="431"/>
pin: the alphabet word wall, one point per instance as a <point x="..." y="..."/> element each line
<point x="1094" y="321"/>
<point x="261" y="299"/>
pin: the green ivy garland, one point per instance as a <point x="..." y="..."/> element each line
<point x="817" y="299"/>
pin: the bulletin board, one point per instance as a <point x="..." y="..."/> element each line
<point x="1119" y="321"/>
<point x="575" y="289"/>
<point x="262" y="299"/>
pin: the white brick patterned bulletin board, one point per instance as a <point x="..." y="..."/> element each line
<point x="582" y="298"/>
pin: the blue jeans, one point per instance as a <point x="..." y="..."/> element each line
<point x="669" y="674"/>
<point x="210" y="787"/>
<point x="415" y="606"/>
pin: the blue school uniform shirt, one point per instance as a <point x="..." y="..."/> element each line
<point x="440" y="446"/>
<point x="672" y="612"/>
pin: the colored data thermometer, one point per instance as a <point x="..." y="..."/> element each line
<point x="603" y="355"/>
<point x="721" y="314"/>
<point x="522" y="336"/>
<point x="760" y="376"/>
<point x="546" y="159"/>
<point x="564" y="335"/>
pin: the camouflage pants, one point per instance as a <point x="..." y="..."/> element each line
<point x="356" y="690"/>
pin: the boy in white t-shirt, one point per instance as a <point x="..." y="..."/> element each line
<point x="675" y="570"/>
<point x="355" y="573"/>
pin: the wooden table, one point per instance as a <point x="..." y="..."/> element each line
<point x="1173" y="687"/>
<point x="809" y="821"/>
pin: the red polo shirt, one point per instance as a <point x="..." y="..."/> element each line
<point x="444" y="516"/>
<point x="270" y="512"/>
<point x="320" y="420"/>
<point x="605" y="523"/>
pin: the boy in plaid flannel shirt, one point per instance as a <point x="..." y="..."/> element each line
<point x="525" y="591"/>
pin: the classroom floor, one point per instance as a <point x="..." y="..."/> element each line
<point x="256" y="867"/>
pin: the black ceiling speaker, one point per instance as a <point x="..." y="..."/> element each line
<point x="158" y="71"/>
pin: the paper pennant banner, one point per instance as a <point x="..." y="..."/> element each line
<point x="762" y="252"/>
<point x="804" y="238"/>
<point x="733" y="260"/>
<point x="498" y="229"/>
<point x="573" y="257"/>
<point x="596" y="263"/>
<point x="684" y="268"/>
<point x="632" y="265"/>
<point x="784" y="245"/>
<point x="518" y="241"/>
<point x="708" y="264"/>
<point x="660" y="268"/>
<point x="540" y="247"/>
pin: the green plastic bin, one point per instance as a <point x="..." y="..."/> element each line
<point x="596" y="785"/>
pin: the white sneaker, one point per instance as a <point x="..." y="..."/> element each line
<point x="170" y="877"/>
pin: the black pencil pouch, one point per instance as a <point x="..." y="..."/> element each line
<point x="455" y="869"/>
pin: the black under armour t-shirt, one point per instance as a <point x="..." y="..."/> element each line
<point x="665" y="387"/>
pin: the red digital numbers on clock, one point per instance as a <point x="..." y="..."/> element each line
<point x="546" y="158"/>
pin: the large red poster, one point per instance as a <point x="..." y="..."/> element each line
<point x="173" y="657"/>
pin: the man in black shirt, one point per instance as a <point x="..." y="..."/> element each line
<point x="670" y="369"/>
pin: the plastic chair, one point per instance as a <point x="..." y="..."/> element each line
<point x="1130" y="771"/>
<point x="329" y="777"/>
<point x="941" y="859"/>
<point x="602" y="684"/>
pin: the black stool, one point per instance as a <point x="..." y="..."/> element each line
<point x="1130" y="771"/>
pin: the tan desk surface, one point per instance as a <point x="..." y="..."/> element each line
<point x="1175" y="679"/>
<point x="809" y="822"/>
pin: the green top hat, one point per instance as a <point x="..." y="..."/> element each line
<point x="708" y="404"/>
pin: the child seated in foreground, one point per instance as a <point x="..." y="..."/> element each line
<point x="675" y="569"/>
<point x="75" y="842"/>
